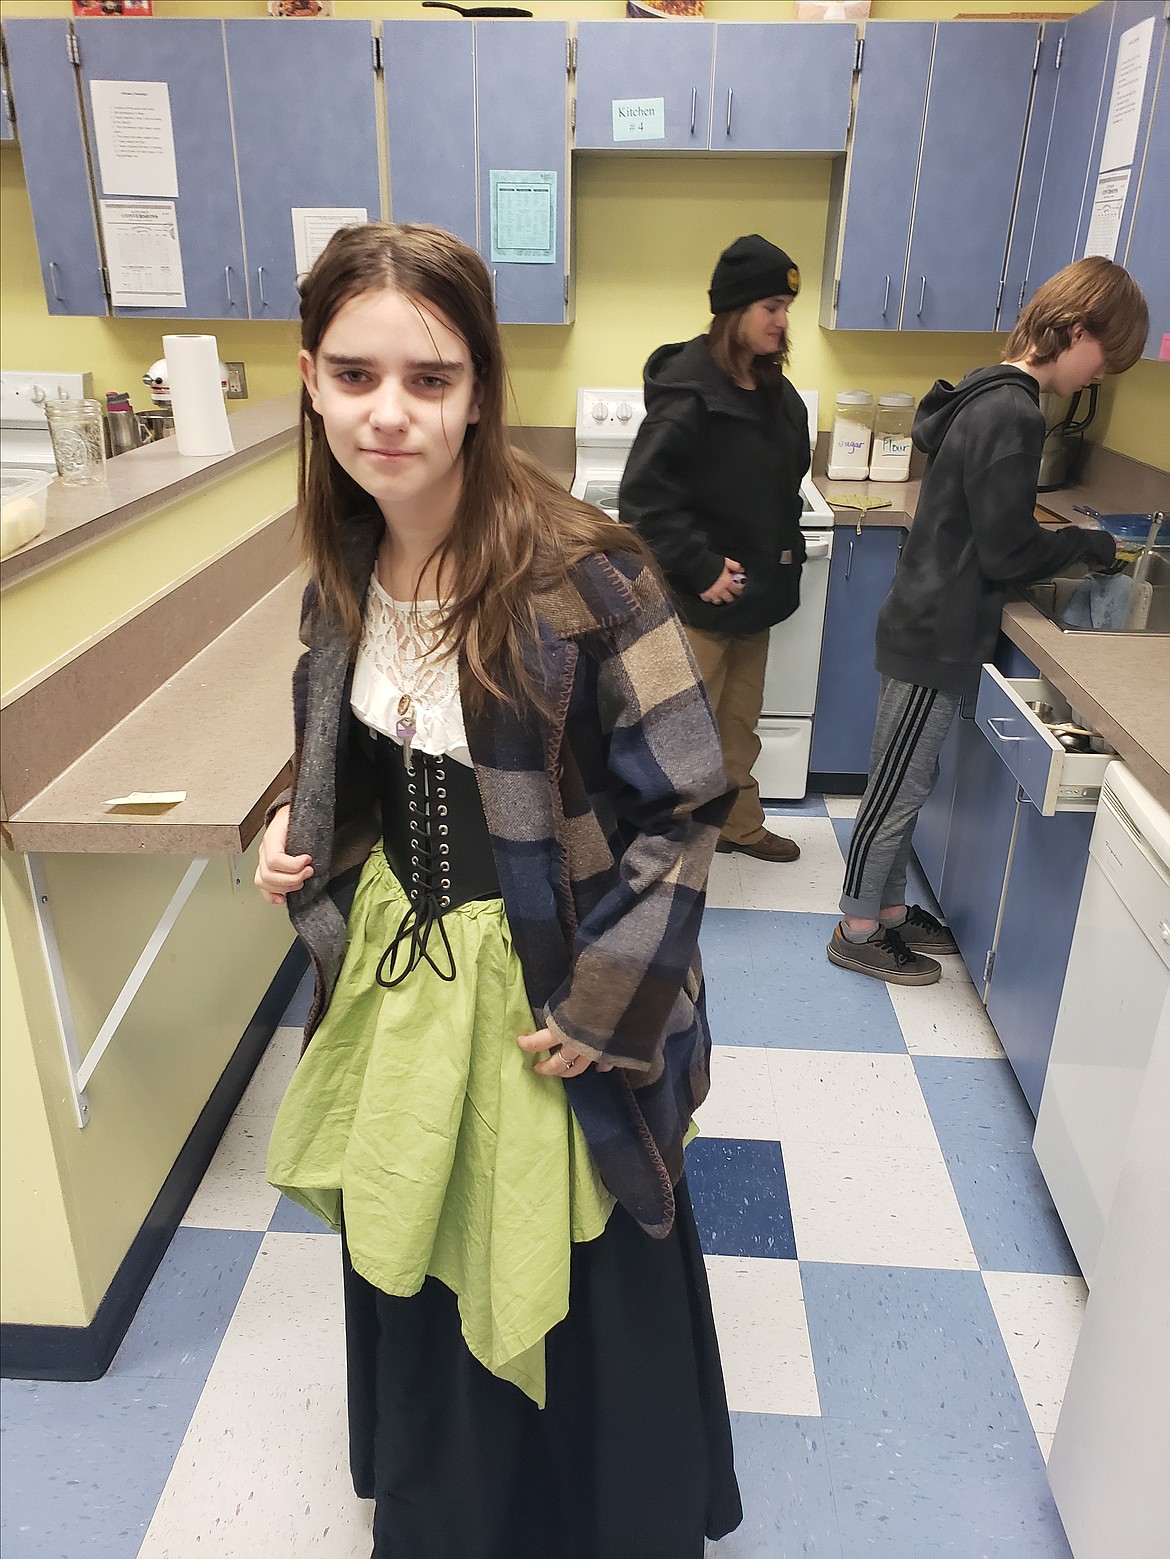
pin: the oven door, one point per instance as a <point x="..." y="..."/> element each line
<point x="794" y="648"/>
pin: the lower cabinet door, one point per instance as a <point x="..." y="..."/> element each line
<point x="934" y="820"/>
<point x="1040" y="905"/>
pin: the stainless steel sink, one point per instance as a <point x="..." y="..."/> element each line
<point x="1052" y="597"/>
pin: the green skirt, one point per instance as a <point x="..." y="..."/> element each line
<point x="416" y="1109"/>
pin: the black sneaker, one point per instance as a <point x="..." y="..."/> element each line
<point x="924" y="934"/>
<point x="884" y="956"/>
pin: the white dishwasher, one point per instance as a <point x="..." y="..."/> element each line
<point x="1116" y="994"/>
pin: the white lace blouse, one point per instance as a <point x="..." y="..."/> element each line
<point x="393" y="661"/>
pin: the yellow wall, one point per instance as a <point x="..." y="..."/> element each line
<point x="643" y="264"/>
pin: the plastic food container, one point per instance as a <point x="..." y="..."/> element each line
<point x="852" y="433"/>
<point x="889" y="459"/>
<point x="23" y="496"/>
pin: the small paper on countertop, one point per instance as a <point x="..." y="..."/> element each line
<point x="148" y="798"/>
<point x="858" y="501"/>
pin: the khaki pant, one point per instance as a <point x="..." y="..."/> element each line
<point x="732" y="670"/>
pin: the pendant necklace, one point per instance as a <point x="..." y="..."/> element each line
<point x="405" y="729"/>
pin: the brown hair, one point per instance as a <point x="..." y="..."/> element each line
<point x="515" y="530"/>
<point x="1094" y="293"/>
<point x="727" y="350"/>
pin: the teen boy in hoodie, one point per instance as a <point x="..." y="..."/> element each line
<point x="974" y="534"/>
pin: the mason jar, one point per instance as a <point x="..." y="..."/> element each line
<point x="79" y="444"/>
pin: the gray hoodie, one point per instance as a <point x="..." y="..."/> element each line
<point x="974" y="532"/>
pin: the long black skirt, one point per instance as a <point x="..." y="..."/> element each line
<point x="631" y="1456"/>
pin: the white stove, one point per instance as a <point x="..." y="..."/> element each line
<point x="24" y="429"/>
<point x="607" y="422"/>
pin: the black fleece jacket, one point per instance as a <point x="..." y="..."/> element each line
<point x="715" y="472"/>
<point x="974" y="532"/>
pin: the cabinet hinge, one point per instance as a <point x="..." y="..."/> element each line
<point x="573" y="114"/>
<point x="1036" y="59"/>
<point x="1023" y="289"/>
<point x="566" y="292"/>
<point x="999" y="294"/>
<point x="106" y="284"/>
<point x="1059" y="50"/>
<point x="859" y="55"/>
<point x="836" y="291"/>
<point x="570" y="55"/>
<point x="988" y="965"/>
<point x="377" y="49"/>
<point x="74" y="50"/>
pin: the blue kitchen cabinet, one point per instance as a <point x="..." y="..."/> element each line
<point x="782" y="87"/>
<point x="1037" y="146"/>
<point x="933" y="825"/>
<point x="429" y="73"/>
<point x="521" y="89"/>
<point x="290" y="159"/>
<point x="979" y="839"/>
<point x="1042" y="895"/>
<point x="625" y="61"/>
<point x="44" y="90"/>
<point x="1079" y="92"/>
<point x="1148" y="256"/>
<point x="976" y="112"/>
<point x="847" y="690"/>
<point x="187" y="56"/>
<point x="865" y="256"/>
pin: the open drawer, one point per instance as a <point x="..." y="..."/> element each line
<point x="1052" y="779"/>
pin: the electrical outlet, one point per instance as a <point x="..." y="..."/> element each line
<point x="237" y="389"/>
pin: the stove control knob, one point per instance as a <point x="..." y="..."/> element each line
<point x="625" y="411"/>
<point x="38" y="395"/>
<point x="600" y="411"/>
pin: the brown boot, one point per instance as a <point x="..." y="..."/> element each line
<point x="768" y="847"/>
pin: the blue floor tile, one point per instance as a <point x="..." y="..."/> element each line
<point x="784" y="1481"/>
<point x="185" y="1313"/>
<point x="770" y="984"/>
<point x="920" y="1494"/>
<point x="740" y="1197"/>
<point x="918" y="890"/>
<point x="904" y="1348"/>
<point x="84" y="1463"/>
<point x="296" y="1014"/>
<point x="985" y="1129"/>
<point x="291" y="1218"/>
<point x="811" y="806"/>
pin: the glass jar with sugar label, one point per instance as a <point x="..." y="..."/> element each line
<point x="852" y="432"/>
<point x="890" y="459"/>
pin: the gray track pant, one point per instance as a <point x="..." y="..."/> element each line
<point x="912" y="724"/>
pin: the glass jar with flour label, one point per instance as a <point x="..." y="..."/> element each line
<point x="890" y="459"/>
<point x="852" y="432"/>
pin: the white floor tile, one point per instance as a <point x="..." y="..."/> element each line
<point x="270" y="1079"/>
<point x="894" y="1208"/>
<point x="763" y="1336"/>
<point x="810" y="884"/>
<point x="842" y="806"/>
<point x="234" y="1193"/>
<point x="1040" y="1317"/>
<point x="946" y="1019"/>
<point x="1045" y="1443"/>
<point x="289" y="1321"/>
<point x="849" y="1099"/>
<point x="740" y="1103"/>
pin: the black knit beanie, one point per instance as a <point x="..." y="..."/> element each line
<point x="750" y="269"/>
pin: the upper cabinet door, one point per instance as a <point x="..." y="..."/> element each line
<point x="878" y="202"/>
<point x="187" y="57"/>
<point x="1037" y="145"/>
<point x="980" y="87"/>
<point x="1148" y="258"/>
<point x="429" y="73"/>
<point x="44" y="89"/>
<point x="521" y="88"/>
<point x="292" y="160"/>
<point x="782" y="87"/>
<point x="1079" y="86"/>
<point x="639" y="62"/>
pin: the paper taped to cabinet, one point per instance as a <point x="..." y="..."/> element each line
<point x="524" y="217"/>
<point x="1105" y="221"/>
<point x="135" y="137"/>
<point x="142" y="253"/>
<point x="314" y="226"/>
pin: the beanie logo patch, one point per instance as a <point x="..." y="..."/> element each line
<point x="793" y="280"/>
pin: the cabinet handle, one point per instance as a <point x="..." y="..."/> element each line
<point x="730" y="95"/>
<point x="995" y="721"/>
<point x="227" y="281"/>
<point x="260" y="280"/>
<point x="495" y="290"/>
<point x="694" y="106"/>
<point x="922" y="298"/>
<point x="849" y="560"/>
<point x="886" y="298"/>
<point x="57" y="298"/>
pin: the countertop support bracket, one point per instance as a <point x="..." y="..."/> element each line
<point x="80" y="1071"/>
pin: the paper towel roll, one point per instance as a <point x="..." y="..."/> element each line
<point x="201" y="420"/>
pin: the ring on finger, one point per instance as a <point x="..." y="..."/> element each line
<point x="569" y="1061"/>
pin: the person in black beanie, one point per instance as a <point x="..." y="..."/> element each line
<point x="712" y="484"/>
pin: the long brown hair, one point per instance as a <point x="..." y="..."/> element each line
<point x="727" y="351"/>
<point x="515" y="531"/>
<point x="1096" y="294"/>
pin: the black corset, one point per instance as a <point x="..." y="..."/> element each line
<point x="436" y="841"/>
